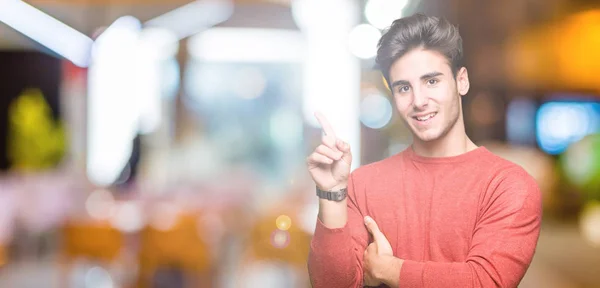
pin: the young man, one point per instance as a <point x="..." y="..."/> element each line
<point x="442" y="213"/>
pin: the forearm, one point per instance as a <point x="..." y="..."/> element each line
<point x="470" y="274"/>
<point x="334" y="214"/>
<point x="340" y="238"/>
<point x="423" y="274"/>
<point x="333" y="260"/>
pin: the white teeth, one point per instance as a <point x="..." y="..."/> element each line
<point x="426" y="117"/>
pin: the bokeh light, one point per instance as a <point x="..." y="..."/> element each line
<point x="561" y="123"/>
<point x="589" y="223"/>
<point x="280" y="239"/>
<point x="381" y="13"/>
<point x="98" y="277"/>
<point x="375" y="111"/>
<point x="311" y="15"/>
<point x="100" y="204"/>
<point x="581" y="164"/>
<point x="128" y="217"/>
<point x="283" y="222"/>
<point x="164" y="216"/>
<point x="363" y="40"/>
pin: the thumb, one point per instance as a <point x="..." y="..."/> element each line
<point x="373" y="228"/>
<point x="345" y="149"/>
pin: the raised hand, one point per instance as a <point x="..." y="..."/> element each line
<point x="329" y="164"/>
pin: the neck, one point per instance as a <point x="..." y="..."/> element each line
<point x="454" y="143"/>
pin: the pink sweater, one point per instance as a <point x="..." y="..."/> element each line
<point x="471" y="220"/>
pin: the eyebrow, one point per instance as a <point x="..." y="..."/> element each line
<point x="423" y="77"/>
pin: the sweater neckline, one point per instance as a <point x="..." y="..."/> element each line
<point x="467" y="156"/>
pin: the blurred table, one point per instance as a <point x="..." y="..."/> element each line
<point x="563" y="259"/>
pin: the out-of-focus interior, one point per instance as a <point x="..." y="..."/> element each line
<point x="163" y="143"/>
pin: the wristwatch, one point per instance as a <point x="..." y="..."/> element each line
<point x="336" y="196"/>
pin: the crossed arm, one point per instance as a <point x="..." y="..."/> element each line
<point x="502" y="248"/>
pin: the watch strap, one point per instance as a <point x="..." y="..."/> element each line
<point x="333" y="195"/>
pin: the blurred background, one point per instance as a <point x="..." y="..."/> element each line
<point x="155" y="143"/>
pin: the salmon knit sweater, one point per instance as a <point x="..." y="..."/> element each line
<point x="471" y="220"/>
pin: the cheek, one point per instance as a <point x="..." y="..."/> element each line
<point x="445" y="96"/>
<point x="402" y="105"/>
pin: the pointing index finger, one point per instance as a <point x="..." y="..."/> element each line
<point x="325" y="124"/>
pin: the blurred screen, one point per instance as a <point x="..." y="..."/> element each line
<point x="560" y="123"/>
<point x="252" y="110"/>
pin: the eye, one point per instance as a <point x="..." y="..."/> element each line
<point x="404" y="89"/>
<point x="432" y="81"/>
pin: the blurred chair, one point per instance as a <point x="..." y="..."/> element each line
<point x="270" y="246"/>
<point x="179" y="250"/>
<point x="96" y="241"/>
<point x="270" y="243"/>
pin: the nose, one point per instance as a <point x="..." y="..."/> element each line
<point x="420" y="100"/>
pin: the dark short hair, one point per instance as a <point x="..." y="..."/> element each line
<point x="419" y="31"/>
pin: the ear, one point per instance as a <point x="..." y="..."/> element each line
<point x="462" y="81"/>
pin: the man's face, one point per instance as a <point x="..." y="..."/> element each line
<point x="427" y="95"/>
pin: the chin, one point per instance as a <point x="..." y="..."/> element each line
<point x="427" y="136"/>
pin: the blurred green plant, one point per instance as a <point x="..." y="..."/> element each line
<point x="581" y="166"/>
<point x="35" y="141"/>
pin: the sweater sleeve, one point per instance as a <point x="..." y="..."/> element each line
<point x="502" y="246"/>
<point x="335" y="258"/>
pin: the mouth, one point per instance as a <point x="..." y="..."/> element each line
<point x="425" y="118"/>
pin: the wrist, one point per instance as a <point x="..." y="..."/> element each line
<point x="339" y="187"/>
<point x="390" y="270"/>
<point x="336" y="187"/>
<point x="336" y="196"/>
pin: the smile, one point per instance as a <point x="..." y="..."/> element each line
<point x="425" y="117"/>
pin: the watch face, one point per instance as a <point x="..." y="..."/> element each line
<point x="341" y="195"/>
